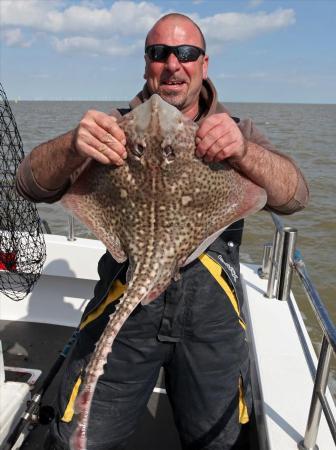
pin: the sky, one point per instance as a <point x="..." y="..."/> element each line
<point x="260" y="50"/>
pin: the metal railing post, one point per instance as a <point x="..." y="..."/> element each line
<point x="46" y="226"/>
<point x="286" y="264"/>
<point x="274" y="264"/>
<point x="71" y="230"/>
<point x="264" y="270"/>
<point x="320" y="386"/>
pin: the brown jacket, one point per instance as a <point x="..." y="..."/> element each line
<point x="30" y="189"/>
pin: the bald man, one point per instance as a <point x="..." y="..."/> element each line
<point x="195" y="330"/>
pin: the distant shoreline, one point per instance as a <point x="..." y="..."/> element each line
<point x="127" y="101"/>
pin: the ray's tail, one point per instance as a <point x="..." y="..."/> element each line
<point x="137" y="291"/>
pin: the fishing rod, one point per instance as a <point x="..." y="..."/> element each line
<point x="35" y="413"/>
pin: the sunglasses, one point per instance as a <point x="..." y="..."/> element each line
<point x="184" y="53"/>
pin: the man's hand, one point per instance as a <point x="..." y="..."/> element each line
<point x="98" y="136"/>
<point x="218" y="138"/>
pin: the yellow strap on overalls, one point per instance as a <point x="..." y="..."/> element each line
<point x="115" y="293"/>
<point x="216" y="271"/>
<point x="243" y="413"/>
<point x="70" y="408"/>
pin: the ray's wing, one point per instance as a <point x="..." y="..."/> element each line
<point x="230" y="198"/>
<point x="90" y="199"/>
<point x="237" y="196"/>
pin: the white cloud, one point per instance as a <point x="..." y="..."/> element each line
<point x="13" y="37"/>
<point x="91" y="26"/>
<point x="27" y="13"/>
<point x="226" y="27"/>
<point x="94" y="46"/>
<point x="123" y="17"/>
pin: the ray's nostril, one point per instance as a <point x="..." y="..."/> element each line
<point x="138" y="150"/>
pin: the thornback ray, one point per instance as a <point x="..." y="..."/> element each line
<point x="161" y="210"/>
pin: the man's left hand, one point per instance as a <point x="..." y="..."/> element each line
<point x="219" y="138"/>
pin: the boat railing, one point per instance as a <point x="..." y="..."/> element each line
<point x="45" y="226"/>
<point x="280" y="260"/>
<point x="71" y="228"/>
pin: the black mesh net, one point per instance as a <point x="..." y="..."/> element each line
<point x="22" y="246"/>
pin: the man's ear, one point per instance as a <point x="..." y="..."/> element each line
<point x="205" y="67"/>
<point x="146" y="67"/>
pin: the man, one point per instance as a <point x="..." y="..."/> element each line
<point x="195" y="330"/>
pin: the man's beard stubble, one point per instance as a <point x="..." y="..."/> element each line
<point x="174" y="99"/>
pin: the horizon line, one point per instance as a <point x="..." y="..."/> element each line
<point x="18" y="100"/>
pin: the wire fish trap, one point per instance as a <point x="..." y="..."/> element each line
<point x="22" y="245"/>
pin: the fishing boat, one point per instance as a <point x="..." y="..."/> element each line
<point x="293" y="407"/>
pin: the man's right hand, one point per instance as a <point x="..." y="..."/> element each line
<point x="99" y="136"/>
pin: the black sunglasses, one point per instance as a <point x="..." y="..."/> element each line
<point x="184" y="53"/>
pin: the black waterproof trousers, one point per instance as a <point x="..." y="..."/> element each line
<point x="196" y="332"/>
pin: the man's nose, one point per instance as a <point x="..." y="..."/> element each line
<point x="172" y="63"/>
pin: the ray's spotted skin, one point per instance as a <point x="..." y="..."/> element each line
<point x="161" y="210"/>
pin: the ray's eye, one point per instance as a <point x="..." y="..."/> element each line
<point x="138" y="150"/>
<point x="169" y="153"/>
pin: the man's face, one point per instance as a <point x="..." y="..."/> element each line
<point x="178" y="83"/>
